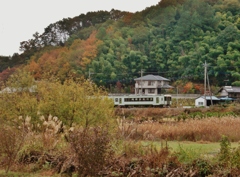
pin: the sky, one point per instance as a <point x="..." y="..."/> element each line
<point x="20" y="19"/>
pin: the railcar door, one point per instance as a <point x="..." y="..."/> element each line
<point x="116" y="101"/>
<point x="167" y="99"/>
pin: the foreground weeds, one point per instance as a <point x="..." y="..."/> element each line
<point x="52" y="149"/>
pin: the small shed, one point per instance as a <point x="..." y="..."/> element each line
<point x="200" y="101"/>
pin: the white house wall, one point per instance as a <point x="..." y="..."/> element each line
<point x="146" y="87"/>
<point x="199" y="102"/>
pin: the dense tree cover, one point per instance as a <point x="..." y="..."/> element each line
<point x="172" y="39"/>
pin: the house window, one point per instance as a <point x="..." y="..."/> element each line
<point x="141" y="83"/>
<point x="200" y="103"/>
<point x="151" y="91"/>
<point x="150" y="82"/>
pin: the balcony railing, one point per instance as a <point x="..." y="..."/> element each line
<point x="145" y="86"/>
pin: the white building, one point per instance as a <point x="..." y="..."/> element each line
<point x="151" y="84"/>
<point x="201" y="101"/>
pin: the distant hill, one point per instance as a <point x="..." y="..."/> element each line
<point x="172" y="39"/>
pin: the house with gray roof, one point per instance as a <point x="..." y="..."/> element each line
<point x="230" y="92"/>
<point x="151" y="84"/>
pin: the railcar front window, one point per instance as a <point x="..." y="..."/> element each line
<point x="167" y="98"/>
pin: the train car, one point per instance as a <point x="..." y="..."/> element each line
<point x="142" y="100"/>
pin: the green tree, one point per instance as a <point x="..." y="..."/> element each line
<point x="229" y="34"/>
<point x="19" y="97"/>
<point x="81" y="103"/>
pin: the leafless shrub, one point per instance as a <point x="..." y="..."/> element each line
<point x="143" y="160"/>
<point x="12" y="140"/>
<point x="91" y="148"/>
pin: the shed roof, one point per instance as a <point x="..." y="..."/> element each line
<point x="226" y="99"/>
<point x="151" y="77"/>
<point x="209" y="98"/>
<point x="230" y="89"/>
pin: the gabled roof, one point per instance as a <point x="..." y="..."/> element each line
<point x="210" y="98"/>
<point x="151" y="77"/>
<point x="230" y="89"/>
<point x="166" y="86"/>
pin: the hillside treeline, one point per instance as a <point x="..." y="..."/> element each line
<point x="172" y="39"/>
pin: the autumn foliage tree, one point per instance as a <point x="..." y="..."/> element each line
<point x="4" y="75"/>
<point x="51" y="63"/>
<point x="188" y="88"/>
<point x="82" y="52"/>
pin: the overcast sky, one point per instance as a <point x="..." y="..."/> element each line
<point x="20" y="19"/>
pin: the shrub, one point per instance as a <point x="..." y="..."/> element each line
<point x="12" y="140"/>
<point x="224" y="155"/>
<point x="92" y="150"/>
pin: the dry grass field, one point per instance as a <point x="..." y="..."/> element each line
<point x="195" y="124"/>
<point x="208" y="129"/>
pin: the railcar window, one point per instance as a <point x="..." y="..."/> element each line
<point x="137" y="99"/>
<point x="116" y="99"/>
<point x="167" y="98"/>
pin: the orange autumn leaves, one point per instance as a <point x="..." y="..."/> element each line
<point x="62" y="62"/>
<point x="190" y="87"/>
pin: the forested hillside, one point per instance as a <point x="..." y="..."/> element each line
<point x="172" y="39"/>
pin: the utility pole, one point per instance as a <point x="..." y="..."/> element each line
<point x="209" y="88"/>
<point x="177" y="96"/>
<point x="205" y="81"/>
<point x="89" y="74"/>
<point x="141" y="81"/>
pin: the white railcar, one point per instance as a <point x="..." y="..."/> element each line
<point x="141" y="100"/>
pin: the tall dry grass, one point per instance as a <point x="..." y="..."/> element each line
<point x="208" y="129"/>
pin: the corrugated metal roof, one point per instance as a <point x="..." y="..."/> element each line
<point x="210" y="97"/>
<point x="231" y="89"/>
<point x="226" y="99"/>
<point x="151" y="77"/>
